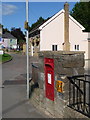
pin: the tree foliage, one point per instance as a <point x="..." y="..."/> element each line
<point x="16" y="32"/>
<point x="81" y="12"/>
<point x="37" y="23"/>
<point x="5" y="30"/>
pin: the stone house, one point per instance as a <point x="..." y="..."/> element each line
<point x="63" y="32"/>
<point x="34" y="40"/>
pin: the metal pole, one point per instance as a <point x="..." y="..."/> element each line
<point x="27" y="52"/>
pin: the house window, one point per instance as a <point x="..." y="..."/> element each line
<point x="54" y="47"/>
<point x="10" y="40"/>
<point x="0" y="39"/>
<point x="10" y="46"/>
<point x="76" y="47"/>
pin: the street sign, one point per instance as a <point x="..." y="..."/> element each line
<point x="26" y="25"/>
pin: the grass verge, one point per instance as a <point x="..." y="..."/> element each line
<point x="5" y="57"/>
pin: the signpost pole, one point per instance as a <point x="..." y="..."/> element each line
<point x="27" y="51"/>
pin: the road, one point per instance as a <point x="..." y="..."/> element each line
<point x="14" y="102"/>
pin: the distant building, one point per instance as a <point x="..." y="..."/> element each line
<point x="9" y="41"/>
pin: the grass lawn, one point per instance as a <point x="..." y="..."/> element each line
<point x="5" y="57"/>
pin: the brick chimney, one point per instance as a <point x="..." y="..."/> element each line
<point x="66" y="46"/>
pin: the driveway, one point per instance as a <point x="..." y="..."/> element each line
<point x="14" y="102"/>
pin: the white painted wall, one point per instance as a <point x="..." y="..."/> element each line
<point x="6" y="42"/>
<point x="78" y="37"/>
<point x="52" y="34"/>
<point x="75" y="34"/>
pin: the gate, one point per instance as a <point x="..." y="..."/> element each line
<point x="79" y="94"/>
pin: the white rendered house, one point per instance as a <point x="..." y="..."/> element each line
<point x="52" y="35"/>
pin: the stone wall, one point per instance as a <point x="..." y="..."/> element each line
<point x="65" y="64"/>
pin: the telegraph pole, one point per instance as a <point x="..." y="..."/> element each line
<point x="27" y="42"/>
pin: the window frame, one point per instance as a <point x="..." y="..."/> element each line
<point x="54" y="47"/>
<point x="77" y="47"/>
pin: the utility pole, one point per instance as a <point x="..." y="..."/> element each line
<point x="27" y="42"/>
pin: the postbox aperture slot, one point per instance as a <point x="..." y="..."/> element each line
<point x="50" y="65"/>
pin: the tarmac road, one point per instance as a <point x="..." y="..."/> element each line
<point x="14" y="102"/>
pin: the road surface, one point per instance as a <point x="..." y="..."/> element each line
<point x="14" y="102"/>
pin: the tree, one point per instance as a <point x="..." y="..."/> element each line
<point x="81" y="12"/>
<point x="5" y="30"/>
<point x="39" y="21"/>
<point x="16" y="32"/>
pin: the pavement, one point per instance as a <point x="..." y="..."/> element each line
<point x="14" y="100"/>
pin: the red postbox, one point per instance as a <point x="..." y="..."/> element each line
<point x="49" y="78"/>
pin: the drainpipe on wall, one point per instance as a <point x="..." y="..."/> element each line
<point x="66" y="46"/>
